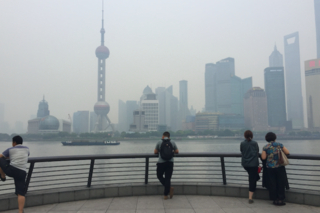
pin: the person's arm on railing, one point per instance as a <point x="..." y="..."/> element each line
<point x="286" y="151"/>
<point x="176" y="151"/>
<point x="156" y="151"/>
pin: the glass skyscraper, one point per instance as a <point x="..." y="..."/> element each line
<point x="293" y="80"/>
<point x="275" y="91"/>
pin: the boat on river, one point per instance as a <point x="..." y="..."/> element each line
<point x="90" y="143"/>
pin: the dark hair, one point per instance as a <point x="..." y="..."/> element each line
<point x="18" y="139"/>
<point x="248" y="135"/>
<point x="166" y="134"/>
<point x="270" y="136"/>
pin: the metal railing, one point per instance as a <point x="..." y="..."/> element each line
<point x="87" y="170"/>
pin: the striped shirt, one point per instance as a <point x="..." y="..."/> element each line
<point x="18" y="156"/>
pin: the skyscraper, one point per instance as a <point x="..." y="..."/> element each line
<point x="130" y="107"/>
<point x="43" y="109"/>
<point x="293" y="80"/>
<point x="224" y="91"/>
<point x="183" y="101"/>
<point x="255" y="109"/>
<point x="210" y="91"/>
<point x="150" y="105"/>
<point x="317" y="17"/>
<point x="276" y="99"/>
<point x="276" y="58"/>
<point x="102" y="108"/>
<point x="122" y="116"/>
<point x="81" y="122"/>
<point x="312" y="72"/>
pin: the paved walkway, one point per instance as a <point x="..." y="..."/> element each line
<point x="179" y="204"/>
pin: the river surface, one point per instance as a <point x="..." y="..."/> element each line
<point x="55" y="148"/>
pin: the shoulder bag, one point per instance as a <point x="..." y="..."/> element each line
<point x="283" y="159"/>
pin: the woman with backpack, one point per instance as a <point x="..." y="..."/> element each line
<point x="250" y="162"/>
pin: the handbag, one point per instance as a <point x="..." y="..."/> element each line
<point x="283" y="159"/>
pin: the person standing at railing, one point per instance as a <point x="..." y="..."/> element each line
<point x="275" y="172"/>
<point x="250" y="161"/>
<point x="166" y="150"/>
<point x="18" y="156"/>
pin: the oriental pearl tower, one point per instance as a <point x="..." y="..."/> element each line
<point x="102" y="108"/>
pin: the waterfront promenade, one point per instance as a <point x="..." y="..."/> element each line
<point x="179" y="204"/>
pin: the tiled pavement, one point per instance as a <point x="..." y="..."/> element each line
<point x="179" y="204"/>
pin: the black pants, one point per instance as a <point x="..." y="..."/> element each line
<point x="253" y="177"/>
<point x="165" y="168"/>
<point x="277" y="183"/>
<point x="18" y="175"/>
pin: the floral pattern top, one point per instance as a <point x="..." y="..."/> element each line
<point x="272" y="154"/>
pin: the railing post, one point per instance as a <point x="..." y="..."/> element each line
<point x="146" y="171"/>
<point x="223" y="171"/>
<point x="90" y="173"/>
<point x="29" y="176"/>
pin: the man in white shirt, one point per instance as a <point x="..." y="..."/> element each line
<point x="18" y="156"/>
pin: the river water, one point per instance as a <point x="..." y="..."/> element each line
<point x="55" y="148"/>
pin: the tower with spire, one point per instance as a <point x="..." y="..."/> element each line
<point x="276" y="58"/>
<point x="102" y="108"/>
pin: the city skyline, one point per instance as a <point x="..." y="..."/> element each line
<point x="68" y="94"/>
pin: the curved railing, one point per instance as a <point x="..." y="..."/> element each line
<point x="86" y="170"/>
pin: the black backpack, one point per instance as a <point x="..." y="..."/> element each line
<point x="166" y="149"/>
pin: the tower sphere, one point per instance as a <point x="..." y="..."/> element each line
<point x="102" y="52"/>
<point x="101" y="108"/>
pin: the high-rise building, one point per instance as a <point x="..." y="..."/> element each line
<point x="312" y="72"/>
<point x="317" y="17"/>
<point x="150" y="105"/>
<point x="224" y="91"/>
<point x="293" y="80"/>
<point x="81" y="122"/>
<point x="255" y="109"/>
<point x="102" y="108"/>
<point x="206" y="121"/>
<point x="183" y="102"/>
<point x="210" y="90"/>
<point x="168" y="108"/>
<point x="138" y="124"/>
<point x="276" y="58"/>
<point x="130" y="107"/>
<point x="276" y="99"/>
<point x="122" y="116"/>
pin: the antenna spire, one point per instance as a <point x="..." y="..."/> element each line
<point x="102" y="31"/>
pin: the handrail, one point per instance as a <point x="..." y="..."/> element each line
<point x="144" y="155"/>
<point x="214" y="167"/>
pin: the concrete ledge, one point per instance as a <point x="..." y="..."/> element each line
<point x="8" y="202"/>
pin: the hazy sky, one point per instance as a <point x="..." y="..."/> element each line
<point x="48" y="47"/>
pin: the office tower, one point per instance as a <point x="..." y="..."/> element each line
<point x="138" y="124"/>
<point x="206" y="121"/>
<point x="224" y="91"/>
<point x="317" y="17"/>
<point x="276" y="99"/>
<point x="130" y="107"/>
<point x="210" y="91"/>
<point x="81" y="122"/>
<point x="122" y="116"/>
<point x="43" y="109"/>
<point x="225" y="70"/>
<point x="150" y="105"/>
<point x="276" y="58"/>
<point x="312" y="73"/>
<point x="93" y="121"/>
<point x="255" y="109"/>
<point x="293" y="80"/>
<point x="102" y="108"/>
<point x="183" y="102"/>
<point x="230" y="121"/>
<point x="161" y="97"/>
<point x="168" y="108"/>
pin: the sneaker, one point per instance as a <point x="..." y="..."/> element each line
<point x="171" y="192"/>
<point x="165" y="197"/>
<point x="250" y="201"/>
